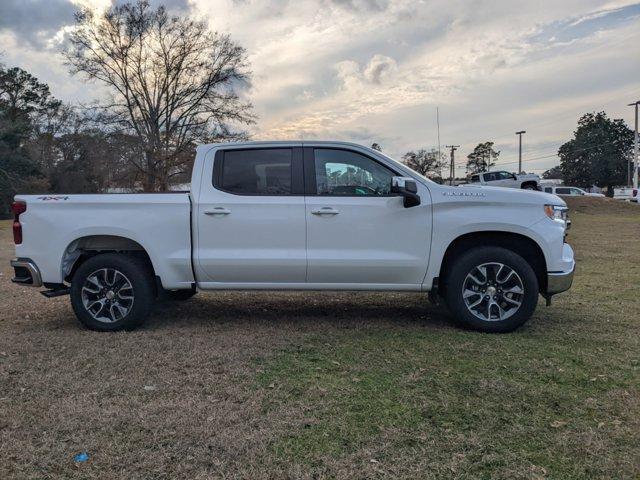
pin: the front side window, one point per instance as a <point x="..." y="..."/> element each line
<point x="257" y="172"/>
<point x="506" y="176"/>
<point x="576" y="191"/>
<point x="548" y="190"/>
<point x="341" y="172"/>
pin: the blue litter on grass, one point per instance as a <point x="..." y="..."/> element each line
<point x="81" y="457"/>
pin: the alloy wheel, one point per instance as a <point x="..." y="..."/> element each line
<point x="493" y="291"/>
<point x="107" y="294"/>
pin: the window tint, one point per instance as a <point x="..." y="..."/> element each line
<point x="489" y="177"/>
<point x="257" y="172"/>
<point x="548" y="189"/>
<point x="475" y="178"/>
<point x="340" y="172"/>
<point x="563" y="191"/>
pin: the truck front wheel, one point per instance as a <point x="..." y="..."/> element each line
<point x="491" y="289"/>
<point x="112" y="292"/>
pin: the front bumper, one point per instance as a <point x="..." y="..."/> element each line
<point x="26" y="272"/>
<point x="559" y="281"/>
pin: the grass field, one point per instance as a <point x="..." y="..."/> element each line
<point x="306" y="385"/>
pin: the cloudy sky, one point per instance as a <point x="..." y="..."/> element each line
<point x="375" y="70"/>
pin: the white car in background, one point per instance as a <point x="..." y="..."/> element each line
<point x="500" y="178"/>
<point x="565" y="191"/>
<point x="626" y="193"/>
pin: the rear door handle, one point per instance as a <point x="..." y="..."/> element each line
<point x="218" y="211"/>
<point x="325" y="211"/>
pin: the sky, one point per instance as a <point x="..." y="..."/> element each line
<point x="376" y="70"/>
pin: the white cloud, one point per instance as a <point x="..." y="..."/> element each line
<point x="376" y="69"/>
<point x="380" y="68"/>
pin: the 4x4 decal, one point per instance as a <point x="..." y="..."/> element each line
<point x="47" y="198"/>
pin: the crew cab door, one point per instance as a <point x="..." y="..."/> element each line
<point x="506" y="179"/>
<point x="251" y="218"/>
<point x="358" y="233"/>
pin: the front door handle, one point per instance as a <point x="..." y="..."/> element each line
<point x="218" y="211"/>
<point x="325" y="211"/>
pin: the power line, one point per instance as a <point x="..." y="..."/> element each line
<point x="555" y="154"/>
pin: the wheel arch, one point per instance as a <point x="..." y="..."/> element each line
<point x="518" y="243"/>
<point x="529" y="183"/>
<point x="81" y="249"/>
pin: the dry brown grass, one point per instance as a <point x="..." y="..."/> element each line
<point x="249" y="385"/>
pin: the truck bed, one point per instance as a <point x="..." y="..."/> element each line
<point x="160" y="223"/>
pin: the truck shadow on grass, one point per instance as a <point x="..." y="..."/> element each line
<point x="305" y="310"/>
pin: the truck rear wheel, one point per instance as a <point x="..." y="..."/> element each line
<point x="111" y="292"/>
<point x="491" y="289"/>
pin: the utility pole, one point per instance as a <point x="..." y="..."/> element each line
<point x="520" y="149"/>
<point x="452" y="167"/>
<point x="635" y="148"/>
<point x="438" y="124"/>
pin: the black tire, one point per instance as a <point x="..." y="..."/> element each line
<point x="489" y="259"/>
<point x="178" y="295"/>
<point x="136" y="272"/>
<point x="529" y="187"/>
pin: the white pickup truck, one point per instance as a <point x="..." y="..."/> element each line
<point x="297" y="216"/>
<point x="500" y="178"/>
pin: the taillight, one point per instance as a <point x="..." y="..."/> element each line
<point x="17" y="208"/>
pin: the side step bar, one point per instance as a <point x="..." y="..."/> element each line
<point x="57" y="292"/>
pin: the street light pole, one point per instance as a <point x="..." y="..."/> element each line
<point x="635" y="148"/>
<point x="520" y="149"/>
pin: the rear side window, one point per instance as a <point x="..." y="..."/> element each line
<point x="548" y="189"/>
<point x="475" y="178"/>
<point x="255" y="172"/>
<point x="563" y="191"/>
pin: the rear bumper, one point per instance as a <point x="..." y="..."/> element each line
<point x="26" y="272"/>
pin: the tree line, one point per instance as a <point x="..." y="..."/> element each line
<point x="599" y="153"/>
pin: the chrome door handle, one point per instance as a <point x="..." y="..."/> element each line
<point x="218" y="211"/>
<point x="325" y="211"/>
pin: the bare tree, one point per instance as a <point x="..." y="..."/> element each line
<point x="425" y="162"/>
<point x="173" y="81"/>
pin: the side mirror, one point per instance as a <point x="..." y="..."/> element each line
<point x="406" y="187"/>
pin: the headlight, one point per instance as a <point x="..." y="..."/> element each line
<point x="558" y="213"/>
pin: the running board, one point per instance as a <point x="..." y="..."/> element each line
<point x="56" y="293"/>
